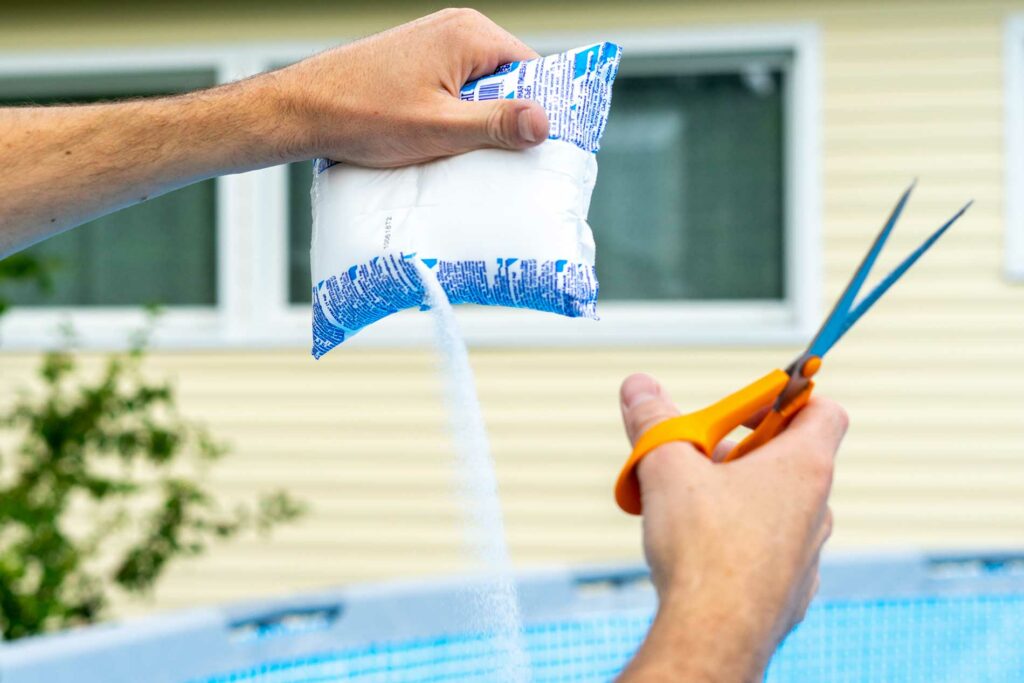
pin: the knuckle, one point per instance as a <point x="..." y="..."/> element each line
<point x="655" y="464"/>
<point x="823" y="473"/>
<point x="823" y="464"/>
<point x="646" y="415"/>
<point x="820" y="467"/>
<point x="841" y="417"/>
<point x="497" y="128"/>
<point x="475" y="32"/>
<point x="663" y="462"/>
<point x="836" y="414"/>
<point x="462" y="15"/>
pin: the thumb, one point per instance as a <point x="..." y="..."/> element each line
<point x="644" y="404"/>
<point x="505" y="124"/>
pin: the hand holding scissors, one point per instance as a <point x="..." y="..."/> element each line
<point x="785" y="392"/>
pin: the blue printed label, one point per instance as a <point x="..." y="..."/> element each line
<point x="575" y="89"/>
<point x="364" y="294"/>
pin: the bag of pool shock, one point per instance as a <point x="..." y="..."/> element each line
<point x="496" y="227"/>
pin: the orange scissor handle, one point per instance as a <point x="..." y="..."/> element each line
<point x="706" y="428"/>
<point x="773" y="423"/>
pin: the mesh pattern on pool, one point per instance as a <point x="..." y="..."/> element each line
<point x="955" y="639"/>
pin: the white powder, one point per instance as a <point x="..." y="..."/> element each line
<point x="497" y="601"/>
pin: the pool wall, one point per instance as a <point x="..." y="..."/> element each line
<point x="276" y="639"/>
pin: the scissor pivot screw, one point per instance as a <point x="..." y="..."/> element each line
<point x="811" y="367"/>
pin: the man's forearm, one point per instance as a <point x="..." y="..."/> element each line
<point x="62" y="166"/>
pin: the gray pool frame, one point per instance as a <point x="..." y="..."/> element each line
<point x="194" y="644"/>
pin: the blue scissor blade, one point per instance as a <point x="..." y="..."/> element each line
<point x="898" y="272"/>
<point x="835" y="323"/>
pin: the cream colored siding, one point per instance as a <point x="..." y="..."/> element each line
<point x="933" y="378"/>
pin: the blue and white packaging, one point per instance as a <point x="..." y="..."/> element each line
<point x="496" y="227"/>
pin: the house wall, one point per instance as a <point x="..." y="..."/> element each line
<point x="933" y="378"/>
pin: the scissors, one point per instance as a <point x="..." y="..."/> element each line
<point x="785" y="391"/>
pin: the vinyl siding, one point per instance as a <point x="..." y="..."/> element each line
<point x="933" y="378"/>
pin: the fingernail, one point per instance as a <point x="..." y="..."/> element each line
<point x="526" y="126"/>
<point x="640" y="389"/>
<point x="634" y="400"/>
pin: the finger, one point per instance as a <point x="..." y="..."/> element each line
<point x="825" y="528"/>
<point x="722" y="450"/>
<point x="812" y="588"/>
<point x="808" y="589"/>
<point x="815" y="432"/>
<point x="504" y="124"/>
<point x="486" y="46"/>
<point x="822" y="418"/>
<point x="644" y="404"/>
<point x="815" y="583"/>
<point x="497" y="47"/>
<point x="668" y="472"/>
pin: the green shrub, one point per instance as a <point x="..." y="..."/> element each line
<point x="101" y="486"/>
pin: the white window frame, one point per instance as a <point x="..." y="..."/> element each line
<point x="252" y="308"/>
<point x="228" y="320"/>
<point x="1013" y="91"/>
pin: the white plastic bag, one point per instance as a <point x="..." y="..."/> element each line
<point x="496" y="227"/>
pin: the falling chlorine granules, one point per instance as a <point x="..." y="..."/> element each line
<point x="497" y="602"/>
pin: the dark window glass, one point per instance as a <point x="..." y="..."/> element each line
<point x="163" y="251"/>
<point x="300" y="227"/>
<point x="689" y="196"/>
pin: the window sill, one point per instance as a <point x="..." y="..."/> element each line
<point x="747" y="323"/>
<point x="641" y="324"/>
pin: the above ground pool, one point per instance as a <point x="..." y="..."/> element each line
<point x="901" y="618"/>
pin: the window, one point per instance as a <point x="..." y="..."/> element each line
<point x="300" y="226"/>
<point x="1014" y="125"/>
<point x="705" y="212"/>
<point x="134" y="256"/>
<point x="199" y="252"/>
<point x="690" y="188"/>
